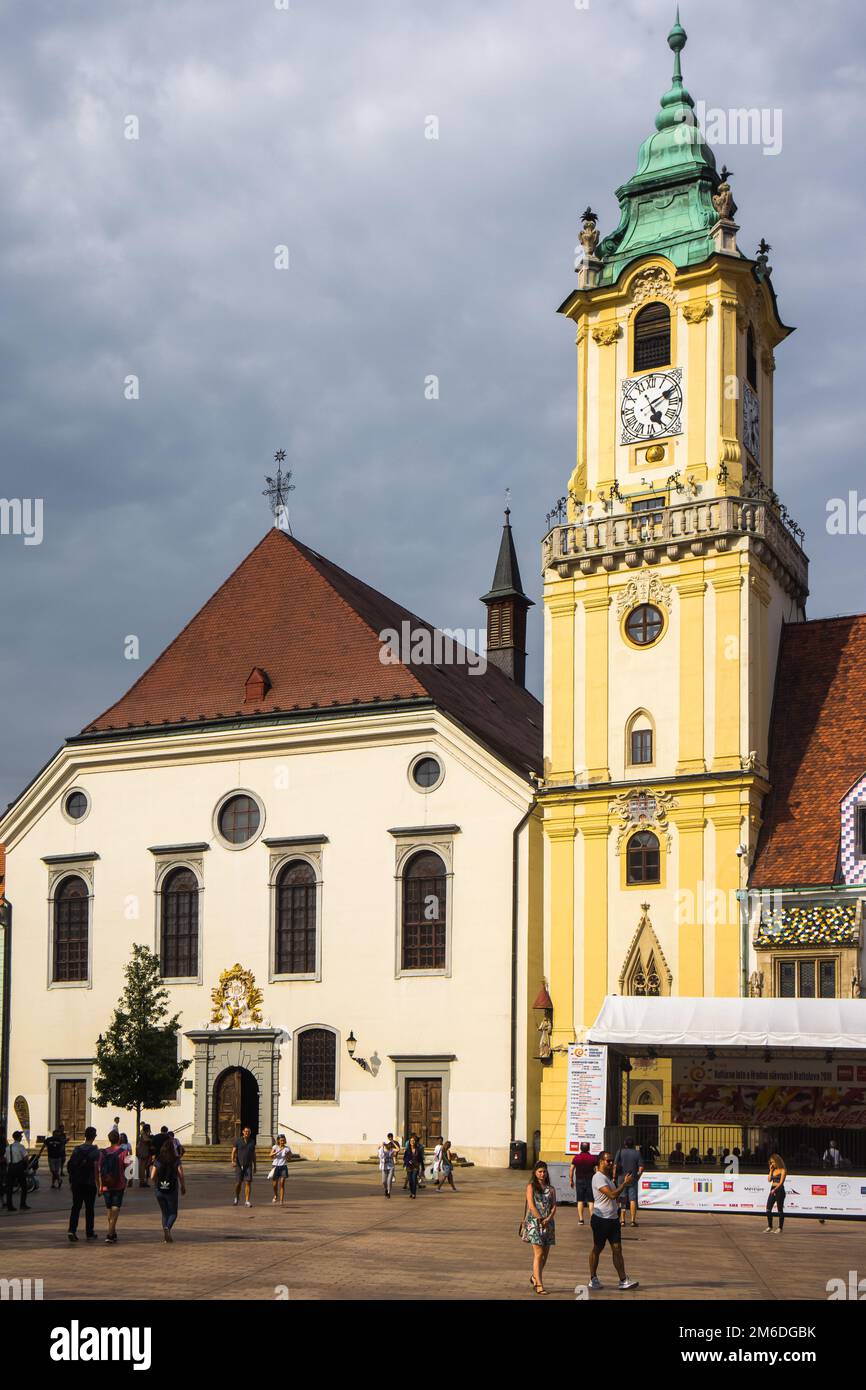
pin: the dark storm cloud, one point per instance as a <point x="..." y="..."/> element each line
<point x="409" y="257"/>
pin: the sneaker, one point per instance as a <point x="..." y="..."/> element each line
<point x="111" y="1240"/>
<point x="70" y="1235"/>
<point x="92" y="1236"/>
<point x="628" y="1284"/>
<point x="595" y="1283"/>
<point x="169" y="1237"/>
<point x="235" y="1202"/>
<point x="777" y="1231"/>
<point x="247" y="1204"/>
<point x="768" y="1230"/>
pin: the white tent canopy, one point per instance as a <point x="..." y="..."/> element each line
<point x="639" y="1023"/>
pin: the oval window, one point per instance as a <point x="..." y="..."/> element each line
<point x="426" y="773"/>
<point x="239" y="819"/>
<point x="76" y="805"/>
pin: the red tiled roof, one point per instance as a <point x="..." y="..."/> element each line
<point x="817" y="750"/>
<point x="314" y="629"/>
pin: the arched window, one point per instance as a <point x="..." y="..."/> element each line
<point x="643" y="863"/>
<point x="316" y="1064"/>
<point x="751" y="359"/>
<point x="178" y="945"/>
<point x="652" y="337"/>
<point x="424" y="920"/>
<point x="295" y="938"/>
<point x="71" y="923"/>
<point x="640" y="740"/>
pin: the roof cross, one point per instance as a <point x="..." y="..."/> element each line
<point x="277" y="492"/>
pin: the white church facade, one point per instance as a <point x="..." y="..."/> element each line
<point x="344" y="848"/>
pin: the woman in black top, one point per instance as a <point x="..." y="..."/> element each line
<point x="166" y="1175"/>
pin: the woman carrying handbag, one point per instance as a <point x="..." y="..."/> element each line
<point x="538" y="1227"/>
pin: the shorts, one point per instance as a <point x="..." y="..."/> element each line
<point x="244" y="1174"/>
<point x="629" y="1194"/>
<point x="583" y="1190"/>
<point x="605" y="1229"/>
<point x="115" y="1197"/>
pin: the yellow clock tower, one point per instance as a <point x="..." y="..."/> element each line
<point x="669" y="569"/>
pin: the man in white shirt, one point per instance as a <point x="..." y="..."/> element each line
<point x="832" y="1156"/>
<point x="605" y="1223"/>
<point x="387" y="1159"/>
<point x="16" y="1172"/>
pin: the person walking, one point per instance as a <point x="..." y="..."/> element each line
<point x="83" y="1177"/>
<point x="539" y="1227"/>
<point x="244" y="1164"/>
<point x="446" y="1168"/>
<point x="16" y="1171"/>
<point x="582" y="1168"/>
<point x="412" y="1160"/>
<point x="144" y="1155"/>
<point x="832" y="1156"/>
<point x="387" y="1160"/>
<point x="627" y="1164"/>
<point x="605" y="1224"/>
<point x="112" y="1178"/>
<point x="166" y="1174"/>
<point x="280" y="1155"/>
<point x="776" y="1177"/>
<point x="56" y="1149"/>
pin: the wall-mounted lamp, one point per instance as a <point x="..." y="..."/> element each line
<point x="351" y="1044"/>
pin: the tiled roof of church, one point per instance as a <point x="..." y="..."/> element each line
<point x="817" y="750"/>
<point x="312" y="631"/>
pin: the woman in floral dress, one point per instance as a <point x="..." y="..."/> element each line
<point x="539" y="1227"/>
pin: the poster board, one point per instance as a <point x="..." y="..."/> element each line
<point x="586" y="1097"/>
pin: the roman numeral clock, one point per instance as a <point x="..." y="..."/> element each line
<point x="651" y="406"/>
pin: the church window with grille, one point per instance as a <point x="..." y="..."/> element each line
<point x="652" y="337"/>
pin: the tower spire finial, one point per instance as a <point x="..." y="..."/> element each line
<point x="677" y="39"/>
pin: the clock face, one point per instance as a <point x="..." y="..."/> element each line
<point x="652" y="406"/>
<point x="751" y="422"/>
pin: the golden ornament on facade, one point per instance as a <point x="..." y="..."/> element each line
<point x="655" y="453"/>
<point x="236" y="999"/>
<point x="606" y="333"/>
<point x="697" y="310"/>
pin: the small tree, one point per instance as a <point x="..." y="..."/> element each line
<point x="136" y="1059"/>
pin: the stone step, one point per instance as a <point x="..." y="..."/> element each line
<point x="222" y="1153"/>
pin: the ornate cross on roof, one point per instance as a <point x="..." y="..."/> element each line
<point x="277" y="492"/>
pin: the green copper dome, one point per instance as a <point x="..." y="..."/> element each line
<point x="667" y="205"/>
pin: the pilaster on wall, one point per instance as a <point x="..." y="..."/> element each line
<point x="595" y="834"/>
<point x="692" y="590"/>
<point x="690" y="822"/>
<point x="561" y="605"/>
<point x="727" y="586"/>
<point x="554" y="1097"/>
<point x="596" y="677"/>
<point x="559" y="829"/>
<point x="727" y="821"/>
<point x="760" y="679"/>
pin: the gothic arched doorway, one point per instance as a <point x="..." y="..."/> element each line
<point x="235" y="1104"/>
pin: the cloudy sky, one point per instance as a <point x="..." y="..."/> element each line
<point x="259" y="127"/>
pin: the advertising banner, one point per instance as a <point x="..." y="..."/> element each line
<point x="824" y="1195"/>
<point x="586" y="1101"/>
<point x="769" y="1093"/>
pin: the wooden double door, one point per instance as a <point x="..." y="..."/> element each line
<point x="71" y="1107"/>
<point x="424" y="1108"/>
<point x="236" y="1104"/>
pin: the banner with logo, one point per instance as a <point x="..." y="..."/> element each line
<point x="809" y="1196"/>
<point x="769" y="1093"/>
<point x="586" y="1100"/>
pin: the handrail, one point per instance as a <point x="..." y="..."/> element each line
<point x="308" y="1137"/>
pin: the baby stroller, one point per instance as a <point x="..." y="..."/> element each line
<point x="32" y="1179"/>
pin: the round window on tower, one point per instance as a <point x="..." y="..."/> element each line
<point x="425" y="773"/>
<point x="644" y="625"/>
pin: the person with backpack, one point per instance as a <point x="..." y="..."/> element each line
<point x="166" y="1174"/>
<point x="81" y="1170"/>
<point x="16" y="1172"/>
<point x="56" y="1148"/>
<point x="111" y="1170"/>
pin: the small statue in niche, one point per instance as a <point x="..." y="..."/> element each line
<point x="855" y="985"/>
<point x="756" y="984"/>
<point x="545" y="1029"/>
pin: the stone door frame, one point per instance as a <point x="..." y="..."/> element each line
<point x="256" y="1049"/>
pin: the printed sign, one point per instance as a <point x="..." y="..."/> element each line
<point x="587" y="1097"/>
<point x="767" y="1093"/>
<point x="809" y="1196"/>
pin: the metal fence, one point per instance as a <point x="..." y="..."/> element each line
<point x="690" y="1147"/>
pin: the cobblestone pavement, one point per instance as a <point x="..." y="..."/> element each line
<point x="339" y="1238"/>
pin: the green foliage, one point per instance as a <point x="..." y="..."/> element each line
<point x="136" y="1059"/>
